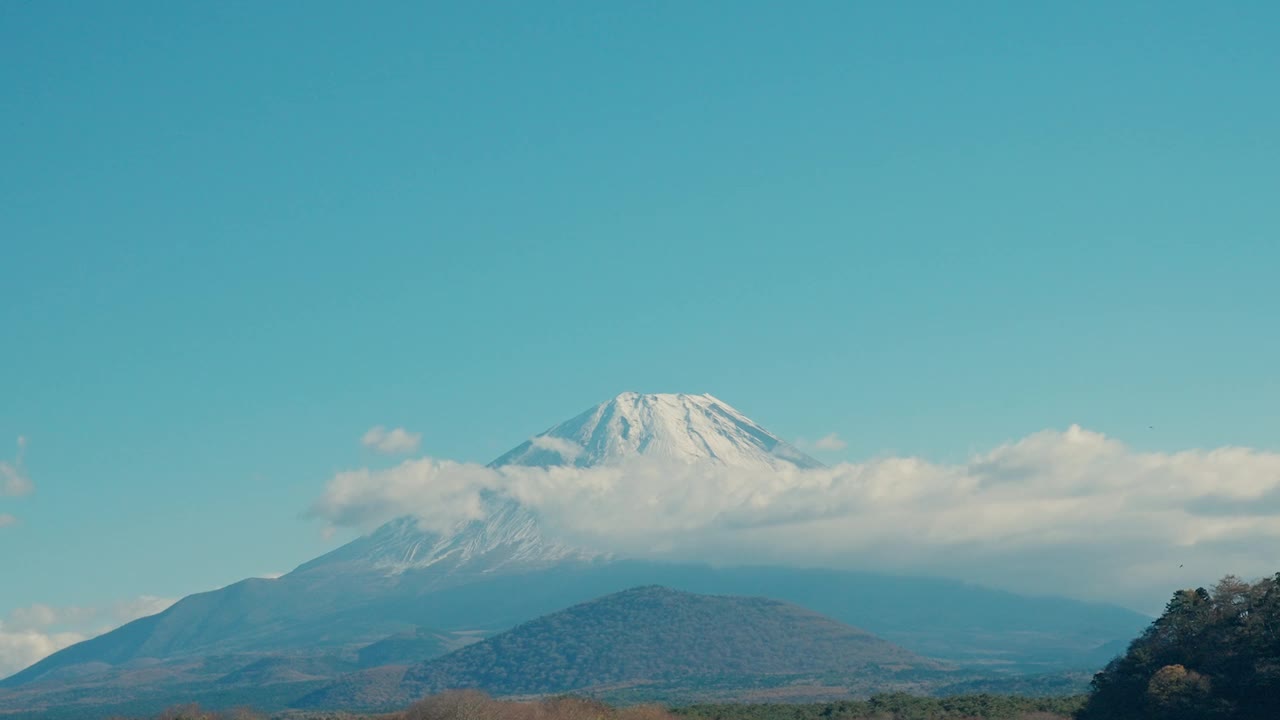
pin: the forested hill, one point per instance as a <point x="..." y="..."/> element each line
<point x="1213" y="655"/>
<point x="653" y="633"/>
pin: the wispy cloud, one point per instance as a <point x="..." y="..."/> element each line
<point x="29" y="634"/>
<point x="1071" y="512"/>
<point x="21" y="648"/>
<point x="396" y="441"/>
<point x="126" y="611"/>
<point x="830" y="442"/>
<point x="14" y="481"/>
<point x="566" y="449"/>
<point x="39" y="617"/>
<point x="13" y="476"/>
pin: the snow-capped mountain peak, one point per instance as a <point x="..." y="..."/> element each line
<point x="675" y="427"/>
<point x="681" y="427"/>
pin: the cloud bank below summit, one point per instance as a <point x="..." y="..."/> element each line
<point x="29" y="634"/>
<point x="1065" y="512"/>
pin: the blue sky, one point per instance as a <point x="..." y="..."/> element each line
<point x="236" y="236"/>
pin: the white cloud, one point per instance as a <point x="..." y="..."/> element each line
<point x="36" y="617"/>
<point x="31" y="633"/>
<point x="396" y="441"/>
<point x="566" y="449"/>
<point x="21" y="648"/>
<point x="1070" y="512"/>
<point x="439" y="492"/>
<point x="6" y="520"/>
<point x="830" y="442"/>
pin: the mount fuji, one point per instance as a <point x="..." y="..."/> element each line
<point x="687" y="428"/>
<point x="428" y="592"/>
<point x="673" y="427"/>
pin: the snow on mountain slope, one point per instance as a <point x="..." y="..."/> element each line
<point x="508" y="538"/>
<point x="679" y="427"/>
<point x="686" y="428"/>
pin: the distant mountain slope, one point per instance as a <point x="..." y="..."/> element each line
<point x="278" y="669"/>
<point x="955" y="621"/>
<point x="652" y="634"/>
<point x="411" y="647"/>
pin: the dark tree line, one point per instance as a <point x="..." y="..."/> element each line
<point x="894" y="706"/>
<point x="1213" y="655"/>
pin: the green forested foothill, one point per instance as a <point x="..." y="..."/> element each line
<point x="655" y="634"/>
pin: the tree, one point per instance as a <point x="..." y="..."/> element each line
<point x="1212" y="654"/>
<point x="1176" y="693"/>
